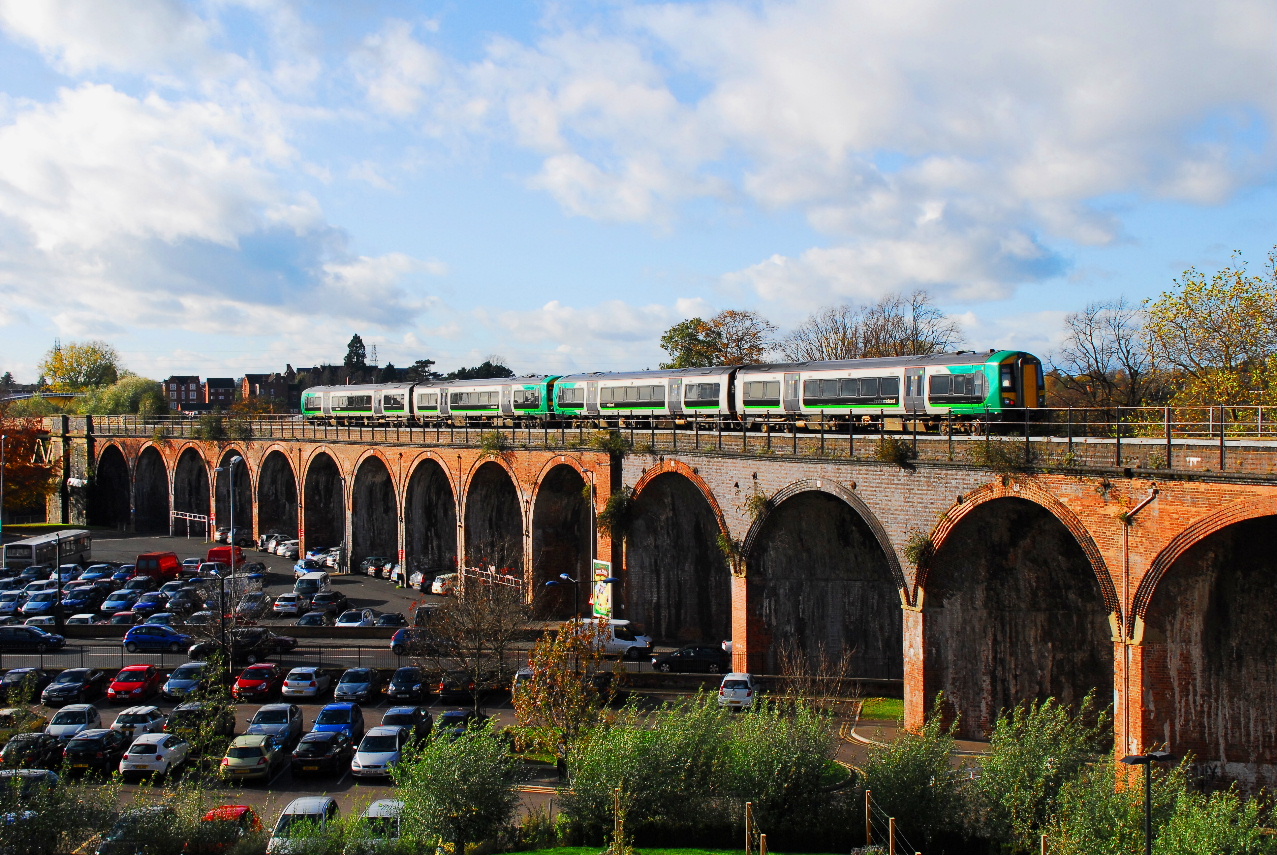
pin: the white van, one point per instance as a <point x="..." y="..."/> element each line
<point x="310" y="584"/>
<point x="621" y="638"/>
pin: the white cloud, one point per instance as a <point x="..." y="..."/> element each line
<point x="395" y="69"/>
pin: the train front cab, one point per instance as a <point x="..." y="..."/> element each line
<point x="1021" y="386"/>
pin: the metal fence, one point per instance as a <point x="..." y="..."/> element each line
<point x="112" y="657"/>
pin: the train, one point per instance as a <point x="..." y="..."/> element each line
<point x="989" y="386"/>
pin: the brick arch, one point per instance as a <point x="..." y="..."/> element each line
<point x="677" y="466"/>
<point x="1030" y="492"/>
<point x="197" y="447"/>
<point x="558" y="460"/>
<point x="376" y="452"/>
<point x="101" y="449"/>
<point x="467" y="479"/>
<point x="250" y="467"/>
<point x="410" y="469"/>
<point x="328" y="452"/>
<point x="857" y="504"/>
<point x="1200" y="529"/>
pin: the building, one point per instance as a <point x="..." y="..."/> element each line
<point x="219" y="391"/>
<point x="182" y="391"/>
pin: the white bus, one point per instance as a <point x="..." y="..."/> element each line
<point x="70" y="546"/>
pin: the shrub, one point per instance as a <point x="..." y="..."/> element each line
<point x="1004" y="456"/>
<point x="912" y="780"/>
<point x="894" y="449"/>
<point x="209" y="426"/>
<point x="610" y="441"/>
<point x="919" y="547"/>
<point x="617" y="513"/>
<point x="493" y="442"/>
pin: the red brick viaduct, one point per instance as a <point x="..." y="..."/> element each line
<point x="991" y="585"/>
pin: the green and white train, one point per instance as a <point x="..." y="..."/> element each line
<point x="989" y="385"/>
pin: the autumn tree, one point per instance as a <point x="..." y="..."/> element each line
<point x="897" y="325"/>
<point x="732" y="337"/>
<point x="1219" y="334"/>
<point x="129" y="394"/>
<point x="1105" y="360"/>
<point x="27" y="482"/>
<point x="81" y="365"/>
<point x="692" y="343"/>
<point x="560" y="702"/>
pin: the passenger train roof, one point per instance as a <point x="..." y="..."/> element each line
<point x="961" y="357"/>
<point x="715" y="371"/>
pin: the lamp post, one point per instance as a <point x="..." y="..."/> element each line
<point x="564" y="579"/>
<point x="1147" y="761"/>
<point x="229" y="469"/>
<point x="4" y="550"/>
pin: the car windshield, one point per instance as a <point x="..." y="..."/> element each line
<point x="454" y="719"/>
<point x="133" y="718"/>
<point x="357" y="675"/>
<point x="143" y="748"/>
<point x="352" y="617"/>
<point x="333" y="717"/>
<point x="17" y="676"/>
<point x="313" y="747"/>
<point x="10" y="596"/>
<point x="386" y="827"/>
<point x="75" y="675"/>
<point x="71" y="717"/>
<point x="379" y="744"/>
<point x="397" y="718"/>
<point x="187" y="672"/>
<point x="44" y="597"/>
<point x="130" y="677"/>
<point x="257" y="674"/>
<point x="86" y="743"/>
<point x="309" y="620"/>
<point x="244" y="752"/>
<point x="407" y="675"/>
<point x="271" y="717"/>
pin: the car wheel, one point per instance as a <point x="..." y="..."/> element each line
<point x="131" y="647"/>
<point x="41" y="647"/>
<point x="397" y="650"/>
<point x="664" y="666"/>
<point x="714" y="668"/>
<point x="174" y="647"/>
<point x="251" y="658"/>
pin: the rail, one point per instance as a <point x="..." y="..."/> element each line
<point x="1200" y="439"/>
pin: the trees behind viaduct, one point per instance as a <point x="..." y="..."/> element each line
<point x="980" y="588"/>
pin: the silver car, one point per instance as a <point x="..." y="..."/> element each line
<point x="306" y="682"/>
<point x="282" y="721"/>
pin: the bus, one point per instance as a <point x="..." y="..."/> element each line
<point x="70" y="546"/>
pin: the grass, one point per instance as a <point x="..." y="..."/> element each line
<point x="594" y="850"/>
<point x="882" y="709"/>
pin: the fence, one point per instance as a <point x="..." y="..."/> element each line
<point x="113" y="657"/>
<point x="881" y="830"/>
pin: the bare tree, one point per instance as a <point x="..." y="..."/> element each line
<point x="1105" y="360"/>
<point x="834" y="332"/>
<point x="897" y="325"/>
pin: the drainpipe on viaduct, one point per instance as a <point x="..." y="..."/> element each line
<point x="1128" y="520"/>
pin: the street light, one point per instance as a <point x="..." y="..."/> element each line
<point x="4" y="550"/>
<point x="1147" y="761"/>
<point x="229" y="469"/>
<point x="563" y="579"/>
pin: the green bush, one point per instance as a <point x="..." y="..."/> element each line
<point x="912" y="780"/>
<point x="893" y="449"/>
<point x="611" y="441"/>
<point x="617" y="513"/>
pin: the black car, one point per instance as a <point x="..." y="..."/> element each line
<point x="248" y="645"/>
<point x="32" y="751"/>
<point x="87" y="599"/>
<point x="316" y="619"/>
<point x="189" y="718"/>
<point x="416" y="719"/>
<point x="323" y="751"/>
<point x="29" y="638"/>
<point x="184" y="602"/>
<point x="75" y="686"/>
<point x="333" y="602"/>
<point x="142" y="831"/>
<point x="32" y="680"/>
<point x="408" y="684"/>
<point x="705" y="658"/>
<point x="390" y="619"/>
<point x="455" y="723"/>
<point x="95" y="750"/>
<point x="456" y="687"/>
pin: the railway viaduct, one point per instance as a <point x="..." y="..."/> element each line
<point x="1145" y="571"/>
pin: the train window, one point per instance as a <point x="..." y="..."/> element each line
<point x="571" y="396"/>
<point x="352" y="402"/>
<point x="701" y="393"/>
<point x="889" y="387"/>
<point x="957" y="388"/>
<point x="313" y="402"/>
<point x="869" y="387"/>
<point x="527" y="399"/>
<point x="762" y="393"/>
<point x="474" y="399"/>
<point x="427" y="400"/>
<point x="940" y="385"/>
<point x="392" y="402"/>
<point x="1008" y="379"/>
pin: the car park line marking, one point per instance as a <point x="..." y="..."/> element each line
<point x="278" y="775"/>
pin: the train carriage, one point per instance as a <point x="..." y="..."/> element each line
<point x="678" y="394"/>
<point x="495" y="399"/>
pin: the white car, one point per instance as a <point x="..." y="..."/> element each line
<point x="41" y="620"/>
<point x="381" y="748"/>
<point x="139" y="720"/>
<point x="444" y="585"/>
<point x="72" y="719"/>
<point x="306" y="682"/>
<point x="307" y="812"/>
<point x="82" y="620"/>
<point x="737" y="691"/>
<point x="380" y="828"/>
<point x="155" y="754"/>
<point x="356" y="617"/>
<point x="291" y="604"/>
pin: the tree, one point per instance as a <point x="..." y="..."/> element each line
<point x="459" y="790"/>
<point x="692" y="343"/>
<point x="129" y="394"/>
<point x="1219" y="333"/>
<point x="560" y="702"/>
<point x="81" y="365"/>
<point x="491" y="367"/>
<point x="27" y="482"/>
<point x="422" y="370"/>
<point x="732" y="337"/>
<point x="1105" y="360"/>
<point x="834" y="332"/>
<point x="356" y="353"/>
<point x="6" y="380"/>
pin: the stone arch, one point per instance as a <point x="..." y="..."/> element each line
<point x="243" y="480"/>
<point x="1013" y="611"/>
<point x="191" y="488"/>
<point x="677" y="579"/>
<point x="151" y="491"/>
<point x="277" y="494"/>
<point x="324" y="502"/>
<point x="430" y="519"/>
<point x="493" y="519"/>
<point x="1208" y="654"/>
<point x="374" y="511"/>
<point x="824" y="584"/>
<point x="108" y="503"/>
<point x="562" y="529"/>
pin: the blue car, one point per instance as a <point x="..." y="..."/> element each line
<point x="150" y="603"/>
<point x="82" y="600"/>
<point x="120" y="601"/>
<point x="11" y="602"/>
<point x="41" y="603"/>
<point x="123" y="574"/>
<point x="98" y="571"/>
<point x="153" y="637"/>
<point x="346" y="718"/>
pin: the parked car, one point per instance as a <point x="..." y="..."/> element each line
<point x="373" y="565"/>
<point x="357" y="618"/>
<point x="408" y="684"/>
<point x="390" y="619"/>
<point x="72" y="719"/>
<point x="222" y="829"/>
<point x="128" y="618"/>
<point x="189" y="718"/>
<point x="11" y="602"/>
<point x="290" y="604"/>
<point x="168" y="619"/>
<point x="444" y="585"/>
<point x="151" y="637"/>
<point x="74" y="686"/>
<point x="185" y="602"/>
<point x="155" y="754"/>
<point x="138" y="720"/>
<point x="16" y="638"/>
<point x="141" y="584"/>
<point x="95" y="750"/>
<point x="323" y="751"/>
<point x="379" y="826"/>
<point x="703" y="658"/>
<point x="379" y="751"/>
<point x="40" y="603"/>
<point x="333" y="602"/>
<point x="120" y="601"/>
<point x="282" y="721"/>
<point x="248" y="645"/>
<point x="141" y="831"/>
<point x="316" y="619"/>
<point x="191" y="565"/>
<point x="23" y="680"/>
<point x="415" y="719"/>
<point x="185" y="679"/>
<point x="253" y="755"/>
<point x="454" y="723"/>
<point x="361" y="685"/>
<point x="289" y="549"/>
<point x="84" y="599"/>
<point x="307" y="682"/>
<point x="135" y="683"/>
<point x="308" y="565"/>
<point x="253" y="605"/>
<point x="737" y="691"/>
<point x="345" y="717"/>
<point x="150" y="603"/>
<point x="82" y="620"/>
<point x="455" y="687"/>
<point x="258" y="682"/>
<point x="306" y="813"/>
<point x="32" y="751"/>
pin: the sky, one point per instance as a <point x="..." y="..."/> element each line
<point x="217" y="187"/>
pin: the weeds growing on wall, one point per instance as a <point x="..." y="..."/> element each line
<point x="894" y="449"/>
<point x="617" y="514"/>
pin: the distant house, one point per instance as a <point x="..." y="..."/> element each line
<point x="183" y="392"/>
<point x="279" y="389"/>
<point x="219" y="391"/>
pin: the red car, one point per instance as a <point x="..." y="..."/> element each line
<point x="261" y="681"/>
<point x="222" y="828"/>
<point x="135" y="683"/>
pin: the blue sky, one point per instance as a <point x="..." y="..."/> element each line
<point x="224" y="186"/>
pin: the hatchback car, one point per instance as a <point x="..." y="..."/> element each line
<point x="304" y="815"/>
<point x="306" y="682"/>
<point x="138" y="720"/>
<point x="153" y="637"/>
<point x="415" y="719"/>
<point x="18" y="681"/>
<point x="444" y="585"/>
<point x="39" y="604"/>
<point x="408" y="684"/>
<point x="185" y="679"/>
<point x="150" y="603"/>
<point x="356" y="618"/>
<point x="95" y="750"/>
<point x="85" y="599"/>
<point x="455" y="723"/>
<point x="378" y="752"/>
<point x="290" y="604"/>
<point x="72" y="720"/>
<point x="34" y="638"/>
<point x="703" y="658"/>
<point x="253" y="605"/>
<point x="392" y="619"/>
<point x="11" y="602"/>
<point x="154" y="754"/>
<point x="333" y="602"/>
<point x="316" y="619"/>
<point x="154" y="828"/>
<point x="32" y="751"/>
<point x="282" y="721"/>
<point x="120" y="601"/>
<point x="135" y="683"/>
<point x="192" y="717"/>
<point x="141" y="584"/>
<point x="258" y="682"/>
<point x="74" y="685"/>
<point x="253" y="755"/>
<point x="347" y="718"/>
<point x="737" y="691"/>
<point x="82" y="620"/>
<point x="323" y="751"/>
<point x="360" y="685"/>
<point x="222" y="829"/>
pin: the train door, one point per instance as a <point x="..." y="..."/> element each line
<point x="791" y="402"/>
<point x="592" y="397"/>
<point x="675" y="400"/>
<point x="507" y="404"/>
<point x="915" y="391"/>
<point x="1031" y="381"/>
<point x="377" y="404"/>
<point x="445" y="402"/>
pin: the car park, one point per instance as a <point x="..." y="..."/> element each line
<point x="356" y="618"/>
<point x="33" y="638"/>
<point x="306" y="814"/>
<point x="307" y="682"/>
<point x="74" y="686"/>
<point x="702" y="658"/>
<point x="32" y="751"/>
<point x="95" y="750"/>
<point x="282" y="721"/>
<point x="72" y="719"/>
<point x="258" y="682"/>
<point x="253" y="755"/>
<point x="345" y="717"/>
<point x="150" y="637"/>
<point x="155" y="754"/>
<point x="290" y="604"/>
<point x="415" y="719"/>
<point x="138" y="720"/>
<point x="185" y="679"/>
<point x="316" y="619"/>
<point x="135" y="683"/>
<point x="360" y="685"/>
<point x="23" y="680"/>
<point x="325" y="751"/>
<point x="379" y="751"/>
<point x="737" y="691"/>
<point x="408" y="684"/>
